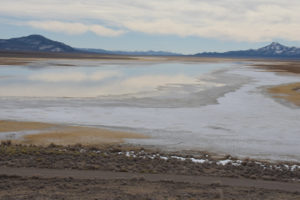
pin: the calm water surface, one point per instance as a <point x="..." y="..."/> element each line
<point x="94" y="79"/>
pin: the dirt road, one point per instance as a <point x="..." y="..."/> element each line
<point x="107" y="175"/>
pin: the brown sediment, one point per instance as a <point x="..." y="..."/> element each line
<point x="18" y="58"/>
<point x="83" y="135"/>
<point x="280" y="66"/>
<point x="289" y="92"/>
<point x="15" y="61"/>
<point x="65" y="135"/>
<point x="133" y="188"/>
<point x="9" y="126"/>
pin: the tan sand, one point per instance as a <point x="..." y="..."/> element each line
<point x="9" y="126"/>
<point x="289" y="92"/>
<point x="66" y="135"/>
<point x="24" y="58"/>
<point x="82" y="135"/>
<point x="15" y="61"/>
<point x="281" y="67"/>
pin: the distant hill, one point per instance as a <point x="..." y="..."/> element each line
<point x="274" y="50"/>
<point x="137" y="53"/>
<point x="34" y="43"/>
<point x="39" y="43"/>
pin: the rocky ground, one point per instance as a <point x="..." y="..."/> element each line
<point x="136" y="160"/>
<point x="139" y="160"/>
<point x="13" y="187"/>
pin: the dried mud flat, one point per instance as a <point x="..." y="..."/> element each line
<point x="134" y="160"/>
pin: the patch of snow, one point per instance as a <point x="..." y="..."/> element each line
<point x="178" y="158"/>
<point x="194" y="160"/>
<point x="224" y="162"/>
<point x="294" y="167"/>
<point x="163" y="157"/>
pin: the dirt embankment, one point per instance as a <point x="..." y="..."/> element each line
<point x="14" y="187"/>
<point x="124" y="172"/>
<point x="139" y="160"/>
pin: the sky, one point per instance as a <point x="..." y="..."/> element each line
<point x="183" y="26"/>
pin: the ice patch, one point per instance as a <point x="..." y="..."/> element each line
<point x="224" y="162"/>
<point x="194" y="160"/>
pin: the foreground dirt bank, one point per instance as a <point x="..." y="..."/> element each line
<point x="129" y="172"/>
<point x="138" y="160"/>
<point x="107" y="175"/>
<point x="15" y="187"/>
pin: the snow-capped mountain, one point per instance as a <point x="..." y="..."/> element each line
<point x="273" y="50"/>
<point x="38" y="43"/>
<point x="276" y="48"/>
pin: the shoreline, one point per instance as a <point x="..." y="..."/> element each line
<point x="128" y="158"/>
<point x="40" y="133"/>
<point x="218" y="129"/>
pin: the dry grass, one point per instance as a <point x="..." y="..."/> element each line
<point x="286" y="67"/>
<point x="290" y="92"/>
<point x="66" y="135"/>
<point x="15" y="61"/>
<point x="24" y="58"/>
<point x="82" y="135"/>
<point x="10" y="126"/>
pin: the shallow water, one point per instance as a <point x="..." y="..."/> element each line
<point x="96" y="79"/>
<point x="181" y="106"/>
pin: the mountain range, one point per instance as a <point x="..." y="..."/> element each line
<point x="136" y="53"/>
<point x="38" y="43"/>
<point x="34" y="43"/>
<point x="274" y="50"/>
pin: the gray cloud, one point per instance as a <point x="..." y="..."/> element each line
<point x="240" y="20"/>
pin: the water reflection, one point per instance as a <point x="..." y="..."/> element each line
<point x="94" y="79"/>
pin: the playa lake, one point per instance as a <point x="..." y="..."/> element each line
<point x="220" y="107"/>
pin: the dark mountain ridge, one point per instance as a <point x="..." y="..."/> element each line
<point x="34" y="43"/>
<point x="137" y="53"/>
<point x="274" y="50"/>
<point x="38" y="43"/>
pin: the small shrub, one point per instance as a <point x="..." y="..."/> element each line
<point x="6" y="142"/>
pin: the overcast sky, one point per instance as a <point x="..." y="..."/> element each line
<point x="186" y="26"/>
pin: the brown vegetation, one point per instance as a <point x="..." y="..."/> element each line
<point x="289" y="92"/>
<point x="280" y="66"/>
<point x="65" y="135"/>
